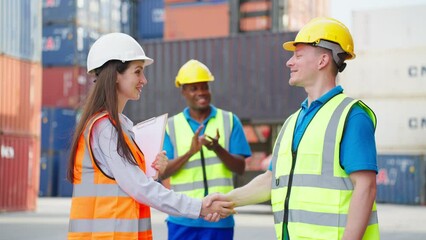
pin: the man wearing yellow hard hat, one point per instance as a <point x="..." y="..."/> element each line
<point x="205" y="145"/>
<point x="322" y="177"/>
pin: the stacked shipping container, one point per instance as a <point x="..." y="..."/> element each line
<point x="186" y="19"/>
<point x="150" y="19"/>
<point x="20" y="103"/>
<point x="196" y="20"/>
<point x="69" y="29"/>
<point x="389" y="75"/>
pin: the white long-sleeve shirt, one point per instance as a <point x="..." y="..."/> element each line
<point x="131" y="178"/>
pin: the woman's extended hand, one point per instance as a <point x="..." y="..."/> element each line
<point x="160" y="163"/>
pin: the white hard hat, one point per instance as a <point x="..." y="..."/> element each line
<point x="115" y="46"/>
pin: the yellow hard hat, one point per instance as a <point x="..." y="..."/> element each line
<point x="193" y="71"/>
<point x="323" y="28"/>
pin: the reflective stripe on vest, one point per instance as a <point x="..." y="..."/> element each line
<point x="99" y="207"/>
<point x="320" y="191"/>
<point x="189" y="178"/>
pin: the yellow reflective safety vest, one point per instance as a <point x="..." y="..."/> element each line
<point x="189" y="179"/>
<point x="310" y="192"/>
<point x="100" y="209"/>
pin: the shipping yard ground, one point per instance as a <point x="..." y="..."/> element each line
<point x="50" y="220"/>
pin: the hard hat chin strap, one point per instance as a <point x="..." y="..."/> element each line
<point x="339" y="56"/>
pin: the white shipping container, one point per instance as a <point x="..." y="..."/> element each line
<point x="386" y="73"/>
<point x="401" y="124"/>
<point x="398" y="27"/>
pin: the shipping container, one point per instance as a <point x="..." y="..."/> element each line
<point x="19" y="171"/>
<point x="200" y="20"/>
<point x="385" y="29"/>
<point x="110" y="16"/>
<point x="53" y="174"/>
<point x="66" y="45"/>
<point x="150" y="19"/>
<point x="84" y="13"/>
<point x="127" y="17"/>
<point x="392" y="73"/>
<point x="65" y="87"/>
<point x="59" y="11"/>
<point x="176" y="2"/>
<point x="171" y="2"/>
<point x="401" y="124"/>
<point x="57" y="128"/>
<point x="48" y="173"/>
<point x="401" y="179"/>
<point x="20" y="22"/>
<point x="299" y="12"/>
<point x="64" y="186"/>
<point x="251" y="79"/>
<point x="20" y="96"/>
<point x="256" y="16"/>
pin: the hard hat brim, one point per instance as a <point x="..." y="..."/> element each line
<point x="178" y="84"/>
<point x="289" y="46"/>
<point x="147" y="61"/>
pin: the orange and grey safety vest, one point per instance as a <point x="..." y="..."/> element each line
<point x="204" y="172"/>
<point x="100" y="209"/>
<point x="311" y="193"/>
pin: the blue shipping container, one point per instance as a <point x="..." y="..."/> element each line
<point x="127" y="17"/>
<point x="48" y="174"/>
<point x="401" y="179"/>
<point x="20" y="23"/>
<point x="59" y="11"/>
<point x="57" y="128"/>
<point x="64" y="187"/>
<point x="150" y="22"/>
<point x="65" y="45"/>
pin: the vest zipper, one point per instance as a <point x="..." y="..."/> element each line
<point x="203" y="166"/>
<point x="287" y="197"/>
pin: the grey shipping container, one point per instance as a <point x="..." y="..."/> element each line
<point x="401" y="179"/>
<point x="251" y="78"/>
<point x="20" y="24"/>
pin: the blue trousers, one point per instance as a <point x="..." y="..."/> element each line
<point x="181" y="232"/>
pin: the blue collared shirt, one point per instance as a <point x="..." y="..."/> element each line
<point x="358" y="147"/>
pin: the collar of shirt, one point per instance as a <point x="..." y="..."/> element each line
<point x="323" y="99"/>
<point x="194" y="124"/>
<point x="126" y="122"/>
<point x="306" y="114"/>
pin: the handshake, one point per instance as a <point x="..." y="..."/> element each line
<point x="216" y="206"/>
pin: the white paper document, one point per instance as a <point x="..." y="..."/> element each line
<point x="149" y="135"/>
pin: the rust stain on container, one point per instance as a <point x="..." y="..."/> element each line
<point x="19" y="171"/>
<point x="20" y="95"/>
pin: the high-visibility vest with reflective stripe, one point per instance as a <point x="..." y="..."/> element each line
<point x="310" y="192"/>
<point x="100" y="209"/>
<point x="189" y="179"/>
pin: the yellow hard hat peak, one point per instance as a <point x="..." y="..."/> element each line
<point x="193" y="71"/>
<point x="324" y="28"/>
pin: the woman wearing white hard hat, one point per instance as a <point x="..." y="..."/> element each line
<point x="112" y="195"/>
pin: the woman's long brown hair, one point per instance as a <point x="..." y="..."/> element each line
<point x="102" y="97"/>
